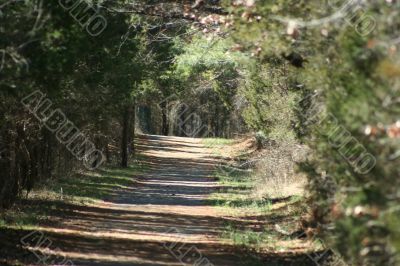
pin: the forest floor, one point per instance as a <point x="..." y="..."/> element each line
<point x="165" y="215"/>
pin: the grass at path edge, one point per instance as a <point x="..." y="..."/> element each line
<point x="77" y="189"/>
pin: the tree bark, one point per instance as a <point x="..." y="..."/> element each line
<point x="10" y="166"/>
<point x="132" y="136"/>
<point x="107" y="151"/>
<point x="217" y="121"/>
<point x="126" y="131"/>
<point x="164" y="110"/>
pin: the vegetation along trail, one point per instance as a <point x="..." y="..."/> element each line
<point x="163" y="207"/>
<point x="163" y="217"/>
<point x="200" y="132"/>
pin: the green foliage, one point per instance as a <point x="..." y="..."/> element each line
<point x="355" y="77"/>
<point x="277" y="55"/>
<point x="249" y="238"/>
<point x="270" y="102"/>
<point x="217" y="142"/>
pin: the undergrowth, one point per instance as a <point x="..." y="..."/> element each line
<point x="272" y="218"/>
<point x="78" y="189"/>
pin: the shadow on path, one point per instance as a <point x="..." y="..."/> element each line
<point x="161" y="219"/>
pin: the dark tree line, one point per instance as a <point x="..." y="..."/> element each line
<point x="98" y="64"/>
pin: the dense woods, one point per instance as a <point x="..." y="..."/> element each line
<point x="80" y="79"/>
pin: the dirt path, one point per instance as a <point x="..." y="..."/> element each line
<point x="163" y="219"/>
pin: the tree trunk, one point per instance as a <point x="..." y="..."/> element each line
<point x="182" y="117"/>
<point x="217" y="125"/>
<point x="9" y="163"/>
<point x="126" y="131"/>
<point x="107" y="151"/>
<point x="164" y="110"/>
<point x="127" y="137"/>
<point x="132" y="136"/>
